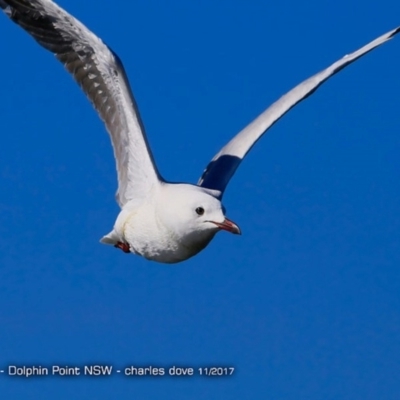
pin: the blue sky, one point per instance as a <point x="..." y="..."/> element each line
<point x="305" y="304"/>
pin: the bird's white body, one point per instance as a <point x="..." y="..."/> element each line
<point x="160" y="221"/>
<point x="164" y="227"/>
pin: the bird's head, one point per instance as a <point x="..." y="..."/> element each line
<point x="194" y="214"/>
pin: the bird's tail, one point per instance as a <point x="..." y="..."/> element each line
<point x="111" y="238"/>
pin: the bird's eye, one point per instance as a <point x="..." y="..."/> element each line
<point x="200" y="210"/>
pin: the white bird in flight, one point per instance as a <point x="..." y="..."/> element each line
<point x="161" y="221"/>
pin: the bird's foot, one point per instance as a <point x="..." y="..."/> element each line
<point x="123" y="246"/>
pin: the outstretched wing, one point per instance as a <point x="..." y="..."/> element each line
<point x="100" y="74"/>
<point x="222" y="167"/>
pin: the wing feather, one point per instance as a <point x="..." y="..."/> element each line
<point x="100" y="74"/>
<point x="222" y="167"/>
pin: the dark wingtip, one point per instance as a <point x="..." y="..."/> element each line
<point x="6" y="8"/>
<point x="395" y="31"/>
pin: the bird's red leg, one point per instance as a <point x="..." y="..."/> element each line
<point x="123" y="246"/>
